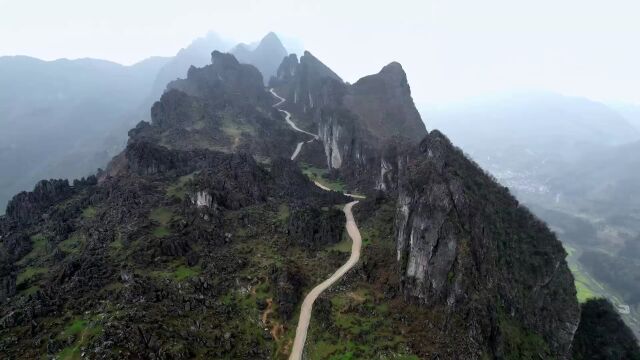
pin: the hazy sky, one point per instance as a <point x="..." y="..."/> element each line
<point x="451" y="49"/>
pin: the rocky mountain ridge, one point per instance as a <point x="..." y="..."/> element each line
<point x="200" y="238"/>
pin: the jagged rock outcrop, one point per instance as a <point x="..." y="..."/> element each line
<point x="384" y="105"/>
<point x="27" y="206"/>
<point x="224" y="80"/>
<point x="222" y="106"/>
<point x="313" y="227"/>
<point x="266" y="57"/>
<point x="289" y="282"/>
<point x="308" y="85"/>
<point x="465" y="243"/>
<point x="354" y="122"/>
<point x="248" y="183"/>
<point x="7" y="276"/>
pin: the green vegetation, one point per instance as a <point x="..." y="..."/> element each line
<point x="185" y="272"/>
<point x="283" y="213"/>
<point x="89" y="213"/>
<point x="234" y="127"/>
<point x="176" y="270"/>
<point x="82" y="332"/>
<point x="520" y="343"/>
<point x="161" y="231"/>
<point x="39" y="245"/>
<point x="319" y="175"/>
<point x="361" y="329"/>
<point x="179" y="189"/>
<point x="29" y="273"/>
<point x="602" y="334"/>
<point x="73" y="244"/>
<point x="586" y="287"/>
<point x="344" y="245"/>
<point x="162" y="216"/>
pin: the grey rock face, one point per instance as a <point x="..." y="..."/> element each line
<point x="355" y="121"/>
<point x="384" y="105"/>
<point x="26" y="206"/>
<point x="465" y="243"/>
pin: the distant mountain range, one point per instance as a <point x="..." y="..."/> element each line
<point x="65" y="117"/>
<point x="69" y="117"/>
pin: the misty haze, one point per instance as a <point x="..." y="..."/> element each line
<point x="319" y="180"/>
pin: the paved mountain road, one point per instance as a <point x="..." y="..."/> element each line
<point x="307" y="304"/>
<point x="287" y="117"/>
<point x="352" y="230"/>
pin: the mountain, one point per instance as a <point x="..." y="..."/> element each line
<point x="353" y="122"/>
<point x="523" y="138"/>
<point x="198" y="54"/>
<point x="603" y="335"/>
<point x="629" y="111"/>
<point x="574" y="162"/>
<point x="266" y="56"/>
<point x="62" y="118"/>
<point x="202" y="237"/>
<point x="547" y="147"/>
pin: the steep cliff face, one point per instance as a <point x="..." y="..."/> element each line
<point x="384" y="105"/>
<point x="353" y="121"/>
<point x="464" y="242"/>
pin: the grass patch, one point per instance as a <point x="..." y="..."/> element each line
<point x="319" y="175"/>
<point x="344" y="245"/>
<point x="234" y="128"/>
<point x="89" y="213"/>
<point x="185" y="272"/>
<point x="72" y="245"/>
<point x="83" y="332"/>
<point x="586" y="287"/>
<point x="176" y="271"/>
<point x="361" y="330"/>
<point x="161" y="215"/>
<point x="39" y="245"/>
<point x="161" y="231"/>
<point x="179" y="189"/>
<point x="29" y="273"/>
<point x="520" y="343"/>
<point x="30" y="290"/>
<point x="283" y="212"/>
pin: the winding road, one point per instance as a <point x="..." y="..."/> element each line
<point x="307" y="304"/>
<point x="354" y="234"/>
<point x="287" y="117"/>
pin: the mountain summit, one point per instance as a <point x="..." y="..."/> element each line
<point x="266" y="56"/>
